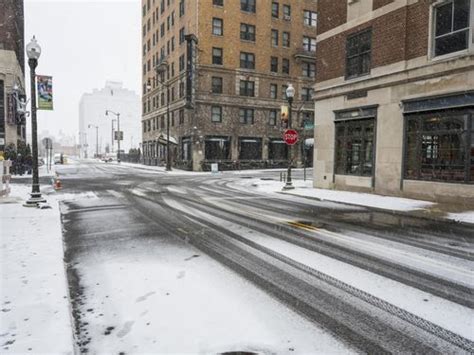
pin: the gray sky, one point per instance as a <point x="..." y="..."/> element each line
<point x="84" y="43"/>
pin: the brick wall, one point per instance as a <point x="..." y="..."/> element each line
<point x="418" y="28"/>
<point x="331" y="14"/>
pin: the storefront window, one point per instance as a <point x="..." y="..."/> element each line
<point x="440" y="146"/>
<point x="217" y="148"/>
<point x="355" y="147"/>
<point x="250" y="149"/>
<point x="186" y="149"/>
<point x="277" y="150"/>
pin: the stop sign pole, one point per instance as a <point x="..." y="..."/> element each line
<point x="290" y="94"/>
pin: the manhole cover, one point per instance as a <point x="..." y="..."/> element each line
<point x="245" y="177"/>
<point x="267" y="179"/>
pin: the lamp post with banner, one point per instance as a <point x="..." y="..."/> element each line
<point x="290" y="136"/>
<point x="118" y="133"/>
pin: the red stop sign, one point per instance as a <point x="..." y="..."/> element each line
<point x="290" y="136"/>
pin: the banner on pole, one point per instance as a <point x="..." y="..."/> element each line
<point x="45" y="92"/>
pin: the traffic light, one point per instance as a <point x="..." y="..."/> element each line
<point x="284" y="116"/>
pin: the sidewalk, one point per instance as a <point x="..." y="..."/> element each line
<point x="35" y="316"/>
<point x="395" y="205"/>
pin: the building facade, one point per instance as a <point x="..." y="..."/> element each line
<point x="92" y="107"/>
<point x="12" y="74"/>
<point x="394" y="98"/>
<point x="221" y="67"/>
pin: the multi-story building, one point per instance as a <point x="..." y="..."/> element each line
<point x="92" y="107"/>
<point x="394" y="98"/>
<point x="12" y="66"/>
<point x="223" y="69"/>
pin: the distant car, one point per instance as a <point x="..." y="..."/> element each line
<point x="57" y="159"/>
<point x="107" y="159"/>
<point x="40" y="161"/>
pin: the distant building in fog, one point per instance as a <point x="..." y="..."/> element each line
<point x="92" y="109"/>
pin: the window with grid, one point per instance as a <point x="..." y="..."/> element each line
<point x="272" y="117"/>
<point x="247" y="5"/>
<point x="310" y="18"/>
<point x="275" y="9"/>
<point x="216" y="85"/>
<point x="358" y="54"/>
<point x="246" y="116"/>
<point x="247" y="32"/>
<point x="274" y="64"/>
<point x="217" y="26"/>
<point x="308" y="69"/>
<point x="286" y="12"/>
<point x="309" y="44"/>
<point x="247" y="60"/>
<point x="451" y="26"/>
<point x="440" y="146"/>
<point x="274" y="38"/>
<point x="285" y="66"/>
<point x="247" y="88"/>
<point x="217" y="56"/>
<point x="285" y="39"/>
<point x="216" y="114"/>
<point x="306" y="94"/>
<point x="250" y="148"/>
<point x="273" y="91"/>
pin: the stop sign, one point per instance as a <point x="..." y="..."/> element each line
<point x="290" y="136"/>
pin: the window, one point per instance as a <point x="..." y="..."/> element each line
<point x="181" y="35"/>
<point x="358" y="50"/>
<point x="247" y="32"/>
<point x="440" y="146"/>
<point x="286" y="12"/>
<point x="181" y="8"/>
<point x="217" y="56"/>
<point x="216" y="85"/>
<point x="275" y="9"/>
<point x="247" y="5"/>
<point x="247" y="60"/>
<point x="217" y="148"/>
<point x="277" y="149"/>
<point x="247" y="88"/>
<point x="310" y="18"/>
<point x="275" y="38"/>
<point x="218" y="2"/>
<point x="181" y="116"/>
<point x="283" y="92"/>
<point x="216" y="114"/>
<point x="250" y="148"/>
<point x="162" y="30"/>
<point x="285" y="39"/>
<point x="306" y="94"/>
<point x="451" y="27"/>
<point x="309" y="44"/>
<point x="274" y="64"/>
<point x="308" y="69"/>
<point x="217" y="27"/>
<point x="246" y="116"/>
<point x="182" y="63"/>
<point x="355" y="147"/>
<point x="273" y="91"/>
<point x="285" y="66"/>
<point x="186" y="148"/>
<point x="181" y="89"/>
<point x="272" y="118"/>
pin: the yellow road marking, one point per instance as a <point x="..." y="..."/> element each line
<point x="302" y="226"/>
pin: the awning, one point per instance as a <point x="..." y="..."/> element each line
<point x="309" y="142"/>
<point x="162" y="139"/>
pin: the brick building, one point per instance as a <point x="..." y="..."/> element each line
<point x="12" y="70"/>
<point x="225" y="67"/>
<point x="394" y="98"/>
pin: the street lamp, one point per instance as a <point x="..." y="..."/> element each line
<point x="161" y="68"/>
<point x="113" y="120"/>
<point x="33" y="51"/>
<point x="96" y="139"/>
<point x="290" y="94"/>
<point x="118" y="130"/>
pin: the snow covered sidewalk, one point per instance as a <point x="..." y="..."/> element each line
<point x="388" y="203"/>
<point x="35" y="316"/>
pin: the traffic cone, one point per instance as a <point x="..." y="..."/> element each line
<point x="57" y="183"/>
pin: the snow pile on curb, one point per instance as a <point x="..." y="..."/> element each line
<point x="34" y="315"/>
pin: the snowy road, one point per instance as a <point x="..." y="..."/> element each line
<point x="175" y="262"/>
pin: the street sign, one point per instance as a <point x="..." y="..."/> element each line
<point x="290" y="136"/>
<point x="118" y="135"/>
<point x="48" y="143"/>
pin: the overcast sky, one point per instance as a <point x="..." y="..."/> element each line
<point x="84" y="43"/>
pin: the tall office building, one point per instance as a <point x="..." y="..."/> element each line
<point x="92" y="109"/>
<point x="12" y="71"/>
<point x="221" y="67"/>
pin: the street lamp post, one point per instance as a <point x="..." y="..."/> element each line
<point x="118" y="130"/>
<point x="96" y="139"/>
<point x="290" y="94"/>
<point x="33" y="51"/>
<point x="113" y="120"/>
